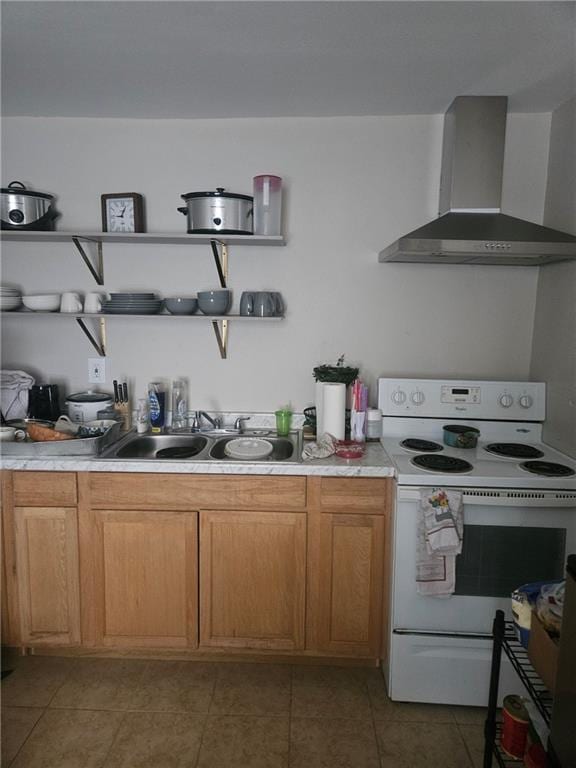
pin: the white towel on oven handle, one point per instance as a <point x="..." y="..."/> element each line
<point x="443" y="520"/>
<point x="436" y="568"/>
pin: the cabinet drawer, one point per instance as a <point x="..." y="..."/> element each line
<point x="143" y="491"/>
<point x="364" y="494"/>
<point x="44" y="489"/>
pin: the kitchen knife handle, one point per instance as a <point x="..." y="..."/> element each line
<point x="116" y="398"/>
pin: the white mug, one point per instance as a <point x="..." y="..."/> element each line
<point x="70" y="302"/>
<point x="93" y="302"/>
<point x="9" y="434"/>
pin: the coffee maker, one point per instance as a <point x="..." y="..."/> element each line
<point x="44" y="402"/>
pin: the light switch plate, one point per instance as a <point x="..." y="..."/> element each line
<point x="96" y="370"/>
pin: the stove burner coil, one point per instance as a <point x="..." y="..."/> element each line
<point x="514" y="450"/>
<point x="421" y="446"/>
<point x="547" y="469"/>
<point x="436" y="463"/>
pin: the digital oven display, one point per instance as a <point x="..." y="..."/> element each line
<point x="461" y="395"/>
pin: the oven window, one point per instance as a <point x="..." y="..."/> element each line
<point x="496" y="559"/>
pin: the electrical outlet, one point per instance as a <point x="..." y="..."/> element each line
<point x="96" y="370"/>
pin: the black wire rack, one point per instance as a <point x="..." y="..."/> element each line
<point x="518" y="656"/>
<point x="505" y="639"/>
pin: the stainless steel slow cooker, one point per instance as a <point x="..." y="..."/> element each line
<point x="219" y="211"/>
<point x="22" y="208"/>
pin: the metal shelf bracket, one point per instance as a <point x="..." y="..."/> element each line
<point x="221" y="259"/>
<point x="99" y="343"/>
<point x="221" y="336"/>
<point x="97" y="271"/>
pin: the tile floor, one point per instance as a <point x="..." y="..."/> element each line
<point x="115" y="713"/>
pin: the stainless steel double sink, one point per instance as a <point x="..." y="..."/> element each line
<point x="205" y="446"/>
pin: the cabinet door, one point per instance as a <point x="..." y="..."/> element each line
<point x="252" y="577"/>
<point x="350" y="584"/>
<point x="46" y="541"/>
<point x="140" y="578"/>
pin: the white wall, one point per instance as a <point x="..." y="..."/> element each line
<point x="554" y="348"/>
<point x="352" y="186"/>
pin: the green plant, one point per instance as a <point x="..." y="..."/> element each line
<point x="339" y="373"/>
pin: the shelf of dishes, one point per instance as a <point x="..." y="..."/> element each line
<point x="98" y="339"/>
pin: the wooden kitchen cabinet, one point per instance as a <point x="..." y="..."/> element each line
<point x="139" y="576"/>
<point x="348" y="519"/>
<point x="41" y="559"/>
<point x="253" y="579"/>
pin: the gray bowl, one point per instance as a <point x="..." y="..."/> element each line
<point x="181" y="305"/>
<point x="215" y="302"/>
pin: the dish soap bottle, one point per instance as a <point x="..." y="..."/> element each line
<point x="157" y="400"/>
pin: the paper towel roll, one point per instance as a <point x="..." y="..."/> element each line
<point x="334" y="409"/>
<point x="319" y="402"/>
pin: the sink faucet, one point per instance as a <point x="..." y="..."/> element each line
<point x="197" y="421"/>
<point x="239" y="423"/>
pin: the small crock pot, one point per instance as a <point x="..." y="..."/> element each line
<point x="84" y="406"/>
<point x="219" y="211"/>
<point x="25" y="209"/>
<point x="461" y="436"/>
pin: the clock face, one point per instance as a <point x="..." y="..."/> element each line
<point x="120" y="214"/>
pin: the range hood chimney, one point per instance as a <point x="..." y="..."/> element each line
<point x="471" y="229"/>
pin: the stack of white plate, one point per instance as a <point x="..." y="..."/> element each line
<point x="10" y="299"/>
<point x="132" y="304"/>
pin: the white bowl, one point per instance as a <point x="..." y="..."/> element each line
<point x="42" y="302"/>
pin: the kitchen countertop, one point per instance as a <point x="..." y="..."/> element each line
<point x="374" y="463"/>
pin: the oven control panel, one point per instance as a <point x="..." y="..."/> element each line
<point x="445" y="398"/>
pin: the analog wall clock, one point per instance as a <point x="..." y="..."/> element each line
<point x="122" y="212"/>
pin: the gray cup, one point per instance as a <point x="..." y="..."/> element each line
<point x="247" y="303"/>
<point x="278" y="303"/>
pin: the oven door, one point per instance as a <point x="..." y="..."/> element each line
<point x="441" y="647"/>
<point x="511" y="537"/>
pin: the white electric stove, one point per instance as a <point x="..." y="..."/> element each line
<point x="519" y="500"/>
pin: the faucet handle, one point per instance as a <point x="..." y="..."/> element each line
<point x="239" y="423"/>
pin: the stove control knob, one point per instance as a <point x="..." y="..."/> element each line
<point x="525" y="401"/>
<point x="506" y="400"/>
<point x="417" y="397"/>
<point x="398" y="397"/>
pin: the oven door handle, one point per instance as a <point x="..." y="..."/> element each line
<point x="498" y="497"/>
<point x="440" y="633"/>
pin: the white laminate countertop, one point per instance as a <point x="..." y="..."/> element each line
<point x="374" y="463"/>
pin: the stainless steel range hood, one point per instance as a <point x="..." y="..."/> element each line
<point x="471" y="229"/>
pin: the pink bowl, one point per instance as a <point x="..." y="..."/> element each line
<point x="350" y="449"/>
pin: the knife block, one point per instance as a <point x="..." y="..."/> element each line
<point x="124" y="414"/>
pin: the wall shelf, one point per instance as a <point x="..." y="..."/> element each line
<point x="84" y="240"/>
<point x="98" y="338"/>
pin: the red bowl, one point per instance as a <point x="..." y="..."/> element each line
<point x="350" y="449"/>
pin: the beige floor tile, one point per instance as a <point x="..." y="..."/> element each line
<point x="469" y="715"/>
<point x="401" y="712"/>
<point x="69" y="739"/>
<point x="35" y="680"/>
<point x="473" y="736"/>
<point x="238" y="741"/>
<point x="176" y="686"/>
<point x="156" y="740"/>
<point x="252" y="689"/>
<point x="331" y="692"/>
<point x="102" y="684"/>
<point x="17" y="724"/>
<point x="340" y="743"/>
<point x="421" y="745"/>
